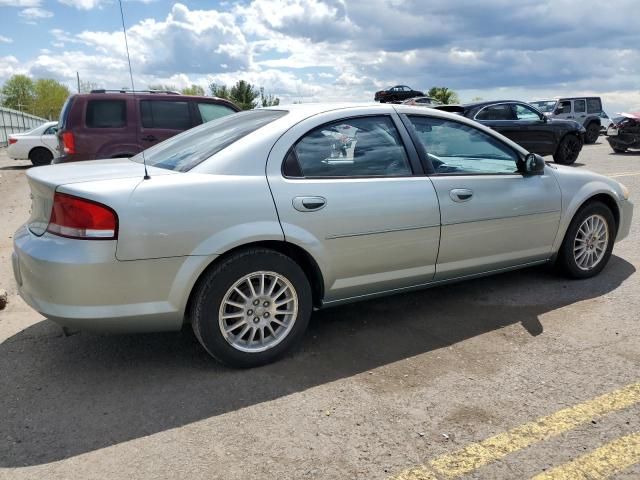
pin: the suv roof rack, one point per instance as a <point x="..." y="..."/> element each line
<point x="104" y="90"/>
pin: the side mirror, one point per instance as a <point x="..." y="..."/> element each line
<point x="533" y="164"/>
<point x="544" y="118"/>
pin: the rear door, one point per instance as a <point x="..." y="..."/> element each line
<point x="163" y="118"/>
<point x="50" y="139"/>
<point x="580" y="110"/>
<point x="346" y="192"/>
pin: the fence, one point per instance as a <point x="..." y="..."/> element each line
<point x="13" y="121"/>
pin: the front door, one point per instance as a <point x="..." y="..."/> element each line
<point x="345" y="192"/>
<point x="493" y="217"/>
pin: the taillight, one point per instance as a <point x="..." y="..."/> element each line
<point x="12" y="141"/>
<point x="76" y="217"/>
<point x="69" y="142"/>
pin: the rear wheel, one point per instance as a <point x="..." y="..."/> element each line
<point x="40" y="156"/>
<point x="568" y="150"/>
<point x="588" y="243"/>
<point x="593" y="132"/>
<point x="252" y="308"/>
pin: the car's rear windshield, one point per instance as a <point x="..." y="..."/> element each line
<point x="189" y="148"/>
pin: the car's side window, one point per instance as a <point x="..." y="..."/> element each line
<point x="502" y="111"/>
<point x="579" y="106"/>
<point x="356" y="147"/>
<point x="458" y="149"/>
<point x="165" y="114"/>
<point x="563" y="107"/>
<point x="106" y="114"/>
<point x="525" y="113"/>
<point x="594" y="105"/>
<point x="51" y="130"/>
<point x="211" y="111"/>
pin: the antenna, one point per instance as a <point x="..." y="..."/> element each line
<point x="133" y="88"/>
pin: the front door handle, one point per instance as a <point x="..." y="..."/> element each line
<point x="309" y="204"/>
<point x="461" y="194"/>
<point x="149" y="138"/>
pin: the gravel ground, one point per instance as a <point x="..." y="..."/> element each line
<point x="377" y="387"/>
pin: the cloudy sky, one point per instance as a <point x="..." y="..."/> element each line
<point x="311" y="50"/>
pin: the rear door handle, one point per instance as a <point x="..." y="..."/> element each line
<point x="309" y="204"/>
<point x="461" y="194"/>
<point x="149" y="138"/>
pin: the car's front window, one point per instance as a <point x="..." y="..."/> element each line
<point x="186" y="150"/>
<point x="523" y="112"/>
<point x="457" y="148"/>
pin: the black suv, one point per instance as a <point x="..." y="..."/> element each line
<point x="528" y="127"/>
<point x="118" y="123"/>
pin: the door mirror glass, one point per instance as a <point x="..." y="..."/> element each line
<point x="533" y="164"/>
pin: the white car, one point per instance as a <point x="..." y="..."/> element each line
<point x="39" y="145"/>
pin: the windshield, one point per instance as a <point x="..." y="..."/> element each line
<point x="545" y="106"/>
<point x="188" y="149"/>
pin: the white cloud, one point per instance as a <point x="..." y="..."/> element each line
<point x="4" y="39"/>
<point x="20" y="3"/>
<point x="35" y="13"/>
<point x="82" y="4"/>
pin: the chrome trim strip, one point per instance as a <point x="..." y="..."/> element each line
<point x="487" y="219"/>
<point x="377" y="232"/>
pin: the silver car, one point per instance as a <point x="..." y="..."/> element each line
<point x="244" y="225"/>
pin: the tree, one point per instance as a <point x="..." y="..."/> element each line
<point x="269" y="100"/>
<point x="50" y="95"/>
<point x="244" y="95"/>
<point x="19" y="93"/>
<point x="444" y="95"/>
<point x="193" y="90"/>
<point x="220" y="91"/>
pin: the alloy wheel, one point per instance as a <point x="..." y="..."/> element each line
<point x="258" y="311"/>
<point x="590" y="244"/>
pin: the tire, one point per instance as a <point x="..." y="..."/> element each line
<point x="619" y="150"/>
<point x="593" y="132"/>
<point x="576" y="265"/>
<point x="568" y="150"/>
<point x="240" y="347"/>
<point x="40" y="156"/>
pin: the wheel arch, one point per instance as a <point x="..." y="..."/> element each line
<point x="303" y="258"/>
<point x="604" y="197"/>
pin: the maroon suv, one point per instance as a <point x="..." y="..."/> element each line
<point x="117" y="123"/>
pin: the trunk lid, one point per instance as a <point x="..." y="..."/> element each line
<point x="43" y="182"/>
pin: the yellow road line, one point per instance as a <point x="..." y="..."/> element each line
<point x="478" y="454"/>
<point x="624" y="174"/>
<point x="604" y="462"/>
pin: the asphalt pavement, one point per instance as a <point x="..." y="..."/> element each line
<point x="520" y="375"/>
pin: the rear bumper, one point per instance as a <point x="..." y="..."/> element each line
<point x="80" y="284"/>
<point x="16" y="152"/>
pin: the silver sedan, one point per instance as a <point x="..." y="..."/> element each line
<point x="244" y="225"/>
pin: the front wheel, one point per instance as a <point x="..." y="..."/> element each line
<point x="588" y="243"/>
<point x="252" y="308"/>
<point x="568" y="150"/>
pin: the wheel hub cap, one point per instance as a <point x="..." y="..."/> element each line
<point x="258" y="311"/>
<point x="591" y="242"/>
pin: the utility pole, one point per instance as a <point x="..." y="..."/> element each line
<point x="78" y="77"/>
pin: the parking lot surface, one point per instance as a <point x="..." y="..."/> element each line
<point x="520" y="375"/>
